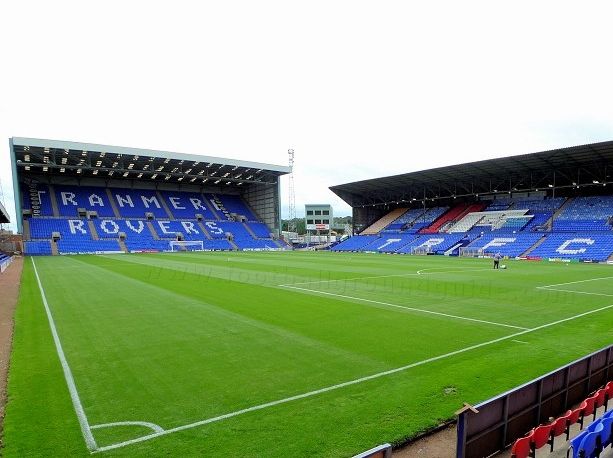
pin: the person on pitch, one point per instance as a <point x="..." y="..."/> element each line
<point x="497" y="257"/>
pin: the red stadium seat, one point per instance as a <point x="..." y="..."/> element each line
<point x="600" y="399"/>
<point x="560" y="426"/>
<point x="522" y="448"/>
<point x="540" y="436"/>
<point x="577" y="416"/>
<point x="589" y="408"/>
<point x="608" y="395"/>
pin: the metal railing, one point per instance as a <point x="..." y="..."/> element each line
<point x="504" y="418"/>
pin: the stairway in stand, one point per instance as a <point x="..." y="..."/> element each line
<point x="533" y="247"/>
<point x="92" y="229"/>
<point x="383" y="222"/>
<point x="549" y="223"/>
<point x="219" y="206"/>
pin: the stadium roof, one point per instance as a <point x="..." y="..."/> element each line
<point x="4" y="216"/>
<point x="65" y="158"/>
<point x="576" y="166"/>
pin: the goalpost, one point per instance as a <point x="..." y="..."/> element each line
<point x="186" y="245"/>
<point x="421" y="250"/>
<point x="471" y="252"/>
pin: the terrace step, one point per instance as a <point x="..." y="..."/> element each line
<point x="219" y="206"/>
<point x="152" y="230"/>
<point x="56" y="212"/>
<point x="112" y="201"/>
<point x="211" y="207"/>
<point x="533" y="247"/>
<point x="164" y="206"/>
<point x="122" y="245"/>
<point x="92" y="229"/>
<point x="233" y="245"/>
<point x="54" y="250"/>
<point x="204" y="230"/>
<point x="26" y="229"/>
<point x="246" y="226"/>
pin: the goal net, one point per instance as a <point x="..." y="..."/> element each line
<point x="421" y="250"/>
<point x="471" y="252"/>
<point x="186" y="245"/>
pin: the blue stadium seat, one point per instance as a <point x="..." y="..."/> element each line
<point x="511" y="245"/>
<point x="356" y="243"/>
<point x="69" y="228"/>
<point x="405" y="219"/>
<point x="37" y="247"/>
<point x="133" y="205"/>
<point x="259" y="229"/>
<point x="437" y="243"/>
<point x="36" y="197"/>
<point x="587" y="246"/>
<point x="71" y="198"/>
<point x="87" y="246"/>
<point x="586" y="214"/>
<point x="136" y="203"/>
<point x="186" y="205"/>
<point x="390" y="243"/>
<point x="226" y="205"/>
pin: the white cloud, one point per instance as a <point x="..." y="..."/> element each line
<point x="358" y="89"/>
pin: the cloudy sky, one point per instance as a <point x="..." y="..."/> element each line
<point x="358" y="89"/>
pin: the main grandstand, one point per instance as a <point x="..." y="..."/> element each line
<point x="88" y="198"/>
<point x="548" y="205"/>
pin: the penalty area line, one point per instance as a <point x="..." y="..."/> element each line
<point x="72" y="388"/>
<point x="344" y="384"/>
<point x="545" y="288"/>
<point x="411" y="274"/>
<point x="412" y="309"/>
<point x="574" y="282"/>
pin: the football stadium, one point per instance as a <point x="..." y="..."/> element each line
<point x="160" y="312"/>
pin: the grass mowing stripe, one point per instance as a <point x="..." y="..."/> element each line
<point x="344" y="384"/>
<point x="72" y="388"/>
<point x="413" y="309"/>
<point x="286" y="333"/>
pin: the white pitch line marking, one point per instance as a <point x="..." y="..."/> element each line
<point x="573" y="291"/>
<point x="342" y="385"/>
<point x="574" y="282"/>
<point x="519" y="341"/>
<point x="153" y="426"/>
<point x="412" y="274"/>
<point x="72" y="388"/>
<point x="413" y="309"/>
<point x="423" y="271"/>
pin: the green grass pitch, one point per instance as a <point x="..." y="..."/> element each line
<point x="281" y="354"/>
